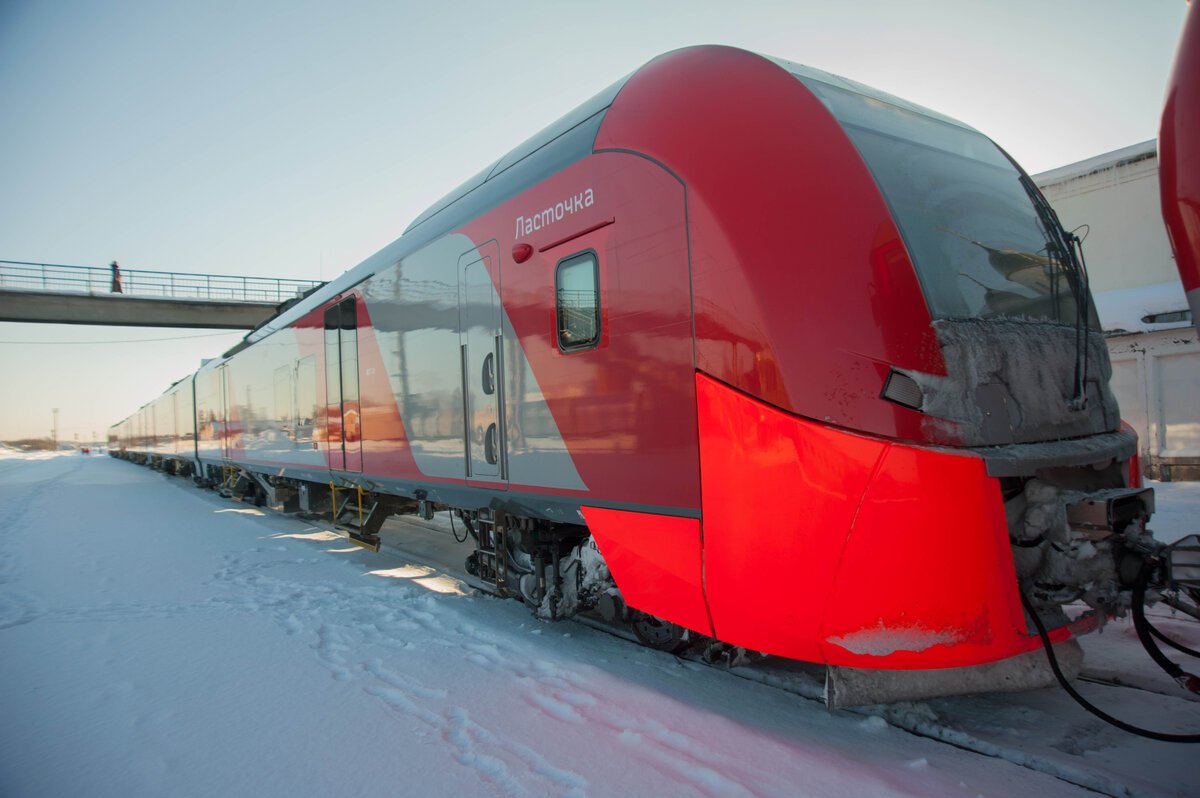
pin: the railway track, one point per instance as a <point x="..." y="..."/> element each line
<point x="920" y="720"/>
<point x="1108" y="681"/>
<point x="934" y="720"/>
<point x="909" y="718"/>
<point x="949" y="721"/>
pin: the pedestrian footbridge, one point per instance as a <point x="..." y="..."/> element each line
<point x="58" y="294"/>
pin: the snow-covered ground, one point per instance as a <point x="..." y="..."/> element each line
<point x="156" y="639"/>
<point x="1176" y="511"/>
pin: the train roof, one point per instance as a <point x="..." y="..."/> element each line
<point x="559" y="144"/>
<point x="555" y="147"/>
<point x="806" y="73"/>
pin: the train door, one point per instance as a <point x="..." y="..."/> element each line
<point x="343" y="410"/>
<point x="482" y="366"/>
<point x="223" y="425"/>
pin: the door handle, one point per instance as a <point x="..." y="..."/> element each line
<point x="488" y="378"/>
<point x="490" y="444"/>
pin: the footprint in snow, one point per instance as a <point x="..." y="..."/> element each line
<point x="292" y="625"/>
<point x="17" y="609"/>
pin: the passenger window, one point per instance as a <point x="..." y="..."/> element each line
<point x="577" y="284"/>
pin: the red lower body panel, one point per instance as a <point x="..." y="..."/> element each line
<point x="833" y="547"/>
<point x="655" y="559"/>
<point x="1133" y="466"/>
<point x="827" y="546"/>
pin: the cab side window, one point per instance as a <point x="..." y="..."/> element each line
<point x="577" y="291"/>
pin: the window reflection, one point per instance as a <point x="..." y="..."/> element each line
<point x="974" y="235"/>
<point x="578" y="302"/>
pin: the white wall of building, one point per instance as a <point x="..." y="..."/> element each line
<point x="1156" y="377"/>
<point x="1156" y="366"/>
<point x="1116" y="195"/>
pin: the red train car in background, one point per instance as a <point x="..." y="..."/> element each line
<point x="736" y="351"/>
<point x="1179" y="161"/>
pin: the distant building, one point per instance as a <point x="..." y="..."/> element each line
<point x="1154" y="349"/>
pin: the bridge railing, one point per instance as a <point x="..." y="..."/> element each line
<point x="57" y="278"/>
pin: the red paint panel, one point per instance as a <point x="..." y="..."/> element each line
<point x="790" y="239"/>
<point x="1179" y="155"/>
<point x="926" y="579"/>
<point x="625" y="410"/>
<point x="1133" y="466"/>
<point x="655" y="560"/>
<point x="830" y="546"/>
<point x="779" y="496"/>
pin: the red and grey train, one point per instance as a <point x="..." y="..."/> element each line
<point x="738" y="349"/>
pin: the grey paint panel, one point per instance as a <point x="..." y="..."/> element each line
<point x="534" y="145"/>
<point x="414" y="306"/>
<point x="564" y="509"/>
<point x="556" y="155"/>
<point x="260" y="389"/>
<point x="480" y="314"/>
<point x="536" y="452"/>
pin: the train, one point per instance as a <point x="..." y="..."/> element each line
<point x="1179" y="168"/>
<point x="739" y="353"/>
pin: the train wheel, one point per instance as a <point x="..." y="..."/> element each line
<point x="657" y="633"/>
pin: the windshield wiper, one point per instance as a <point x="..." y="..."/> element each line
<point x="1067" y="249"/>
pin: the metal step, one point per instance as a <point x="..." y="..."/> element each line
<point x="369" y="542"/>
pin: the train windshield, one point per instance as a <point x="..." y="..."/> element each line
<point x="977" y="241"/>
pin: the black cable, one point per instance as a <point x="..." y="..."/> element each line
<point x="470" y="528"/>
<point x="1141" y="626"/>
<point x="1177" y="646"/>
<point x="1083" y="702"/>
<point x="454" y="530"/>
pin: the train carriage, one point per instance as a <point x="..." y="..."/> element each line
<point x="737" y="351"/>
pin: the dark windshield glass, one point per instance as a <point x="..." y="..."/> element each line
<point x="973" y="233"/>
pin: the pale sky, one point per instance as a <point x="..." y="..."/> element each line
<point x="294" y="139"/>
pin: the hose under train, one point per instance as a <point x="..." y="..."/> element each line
<point x="1139" y="597"/>
<point x="1142" y="627"/>
<point x="1191" y="652"/>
